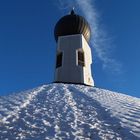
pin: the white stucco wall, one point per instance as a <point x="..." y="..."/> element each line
<point x="70" y="72"/>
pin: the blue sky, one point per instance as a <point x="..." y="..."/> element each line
<point x="27" y="45"/>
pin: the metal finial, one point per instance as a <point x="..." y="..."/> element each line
<point x="72" y="11"/>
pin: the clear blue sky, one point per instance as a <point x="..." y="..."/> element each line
<point x="27" y="45"/>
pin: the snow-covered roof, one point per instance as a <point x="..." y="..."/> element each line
<point x="68" y="112"/>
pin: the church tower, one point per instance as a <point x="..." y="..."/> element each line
<point x="74" y="58"/>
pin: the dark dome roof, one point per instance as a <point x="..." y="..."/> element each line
<point x="72" y="24"/>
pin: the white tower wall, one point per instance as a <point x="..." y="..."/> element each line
<point x="70" y="71"/>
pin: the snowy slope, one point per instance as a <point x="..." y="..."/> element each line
<point x="69" y="112"/>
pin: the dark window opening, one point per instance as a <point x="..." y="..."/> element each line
<point x="81" y="60"/>
<point x="59" y="60"/>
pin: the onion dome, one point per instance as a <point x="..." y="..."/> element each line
<point x="72" y="24"/>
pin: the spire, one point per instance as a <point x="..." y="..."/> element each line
<point x="72" y="11"/>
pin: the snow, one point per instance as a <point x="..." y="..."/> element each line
<point x="69" y="112"/>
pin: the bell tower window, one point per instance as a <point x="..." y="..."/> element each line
<point x="81" y="59"/>
<point x="59" y="59"/>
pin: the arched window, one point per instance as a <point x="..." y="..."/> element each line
<point x="59" y="59"/>
<point x="81" y="58"/>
